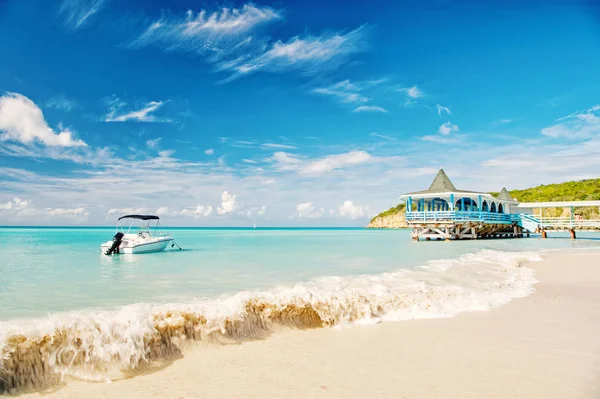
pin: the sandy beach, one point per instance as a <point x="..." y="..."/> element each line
<point x="542" y="346"/>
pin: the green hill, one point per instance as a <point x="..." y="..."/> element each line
<point x="583" y="190"/>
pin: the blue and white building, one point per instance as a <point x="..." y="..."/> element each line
<point x="445" y="212"/>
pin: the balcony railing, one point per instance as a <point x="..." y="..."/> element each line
<point x="461" y="216"/>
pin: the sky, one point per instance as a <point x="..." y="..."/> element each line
<point x="299" y="113"/>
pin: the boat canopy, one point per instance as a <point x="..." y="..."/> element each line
<point x="140" y="217"/>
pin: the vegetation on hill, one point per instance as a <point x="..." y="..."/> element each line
<point x="583" y="190"/>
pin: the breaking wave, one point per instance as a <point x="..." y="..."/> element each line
<point x="100" y="345"/>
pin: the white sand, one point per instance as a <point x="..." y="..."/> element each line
<point x="544" y="346"/>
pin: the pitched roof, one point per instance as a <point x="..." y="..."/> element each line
<point x="504" y="195"/>
<point x="442" y="184"/>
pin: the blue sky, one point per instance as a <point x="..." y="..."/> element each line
<point x="287" y="113"/>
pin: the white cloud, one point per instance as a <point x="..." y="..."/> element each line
<point x="370" y="108"/>
<point x="200" y="211"/>
<point x="163" y="210"/>
<point x="23" y="121"/>
<point x="258" y="211"/>
<point x="228" y="203"/>
<point x="127" y="211"/>
<point x="351" y="211"/>
<point x="284" y="161"/>
<point x="25" y="208"/>
<point x="141" y="115"/>
<point x="337" y="161"/>
<point x="66" y="211"/>
<point x="275" y="145"/>
<point x="581" y="124"/>
<point x="307" y="210"/>
<point x="61" y="103"/>
<point x="78" y="12"/>
<point x="441" y="110"/>
<point x="166" y="153"/>
<point x="15" y="204"/>
<point x="210" y="151"/>
<point x="153" y="143"/>
<point x="412" y="92"/>
<point x="447" y="128"/>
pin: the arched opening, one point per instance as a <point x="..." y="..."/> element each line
<point x="493" y="207"/>
<point x="465" y="204"/>
<point x="500" y="208"/>
<point x="485" y="207"/>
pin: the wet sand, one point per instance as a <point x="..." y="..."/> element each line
<point x="544" y="346"/>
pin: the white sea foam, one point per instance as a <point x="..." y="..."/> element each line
<point x="101" y="344"/>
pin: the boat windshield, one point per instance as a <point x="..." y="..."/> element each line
<point x="142" y="223"/>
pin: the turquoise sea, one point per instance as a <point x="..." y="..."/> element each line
<point x="71" y="311"/>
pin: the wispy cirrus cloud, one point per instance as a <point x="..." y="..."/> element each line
<point x="216" y="34"/>
<point x="382" y="136"/>
<point x="442" y="110"/>
<point x="234" y="41"/>
<point x="351" y="93"/>
<point x="370" y="108"/>
<point x="77" y="13"/>
<point x="442" y="139"/>
<point x="117" y="113"/>
<point x="61" y="103"/>
<point x="580" y="124"/>
<point x="307" y="54"/>
<point x="277" y="145"/>
<point x="345" y="92"/>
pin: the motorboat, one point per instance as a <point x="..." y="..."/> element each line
<point x="140" y="236"/>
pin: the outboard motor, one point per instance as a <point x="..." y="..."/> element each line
<point x="117" y="239"/>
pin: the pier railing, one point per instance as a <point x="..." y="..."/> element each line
<point x="461" y="216"/>
<point x="567" y="222"/>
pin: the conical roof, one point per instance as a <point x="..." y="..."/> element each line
<point x="504" y="195"/>
<point x="441" y="183"/>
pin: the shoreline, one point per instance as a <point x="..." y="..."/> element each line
<point x="541" y="346"/>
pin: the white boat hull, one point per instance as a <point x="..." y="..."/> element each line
<point x="128" y="247"/>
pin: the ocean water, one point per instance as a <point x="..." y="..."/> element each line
<point x="66" y="310"/>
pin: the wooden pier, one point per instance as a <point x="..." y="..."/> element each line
<point x="442" y="212"/>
